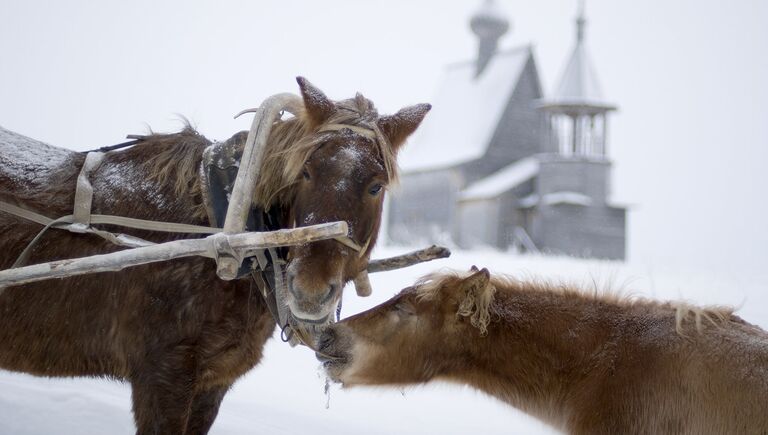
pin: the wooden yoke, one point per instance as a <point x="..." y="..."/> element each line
<point x="250" y="166"/>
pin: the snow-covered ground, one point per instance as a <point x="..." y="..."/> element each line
<point x="284" y="395"/>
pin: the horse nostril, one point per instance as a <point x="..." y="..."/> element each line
<point x="321" y="297"/>
<point x="296" y="294"/>
<point x="329" y="294"/>
<point x="334" y="291"/>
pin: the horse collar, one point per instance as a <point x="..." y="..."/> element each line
<point x="218" y="172"/>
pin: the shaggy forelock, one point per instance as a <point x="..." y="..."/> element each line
<point x="475" y="304"/>
<point x="294" y="140"/>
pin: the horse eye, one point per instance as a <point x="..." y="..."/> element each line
<point x="375" y="189"/>
<point x="305" y="174"/>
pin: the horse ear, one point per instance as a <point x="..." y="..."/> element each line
<point x="477" y="294"/>
<point x="318" y="106"/>
<point x="474" y="269"/>
<point x="402" y="124"/>
<point x="478" y="281"/>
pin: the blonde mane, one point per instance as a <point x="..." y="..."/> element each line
<point x="478" y="303"/>
<point x="175" y="158"/>
<point x="292" y="141"/>
<point x="171" y="160"/>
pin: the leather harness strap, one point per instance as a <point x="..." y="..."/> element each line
<point x="361" y="130"/>
<point x="267" y="271"/>
<point x="81" y="219"/>
<point x="84" y="192"/>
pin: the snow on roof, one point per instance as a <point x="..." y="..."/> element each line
<point x="491" y="11"/>
<point x="502" y="180"/>
<point x="574" y="198"/>
<point x="465" y="113"/>
<point x="556" y="198"/>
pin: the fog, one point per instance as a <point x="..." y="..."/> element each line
<point x="689" y="140"/>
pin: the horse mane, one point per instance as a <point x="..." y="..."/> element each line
<point x="480" y="306"/>
<point x="172" y="159"/>
<point x="175" y="158"/>
<point x="292" y="141"/>
<point x="476" y="304"/>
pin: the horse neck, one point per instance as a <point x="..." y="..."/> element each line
<point x="157" y="180"/>
<point x="538" y="349"/>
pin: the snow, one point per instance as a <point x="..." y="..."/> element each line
<point x="574" y="198"/>
<point x="555" y="198"/>
<point x="128" y="177"/>
<point x="502" y="180"/>
<point x="465" y="113"/>
<point x="284" y="395"/>
<point x="29" y="161"/>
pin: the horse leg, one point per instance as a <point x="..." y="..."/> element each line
<point x="162" y="391"/>
<point x="205" y="407"/>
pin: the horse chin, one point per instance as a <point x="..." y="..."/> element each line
<point x="333" y="365"/>
<point x="312" y="320"/>
<point x="321" y="317"/>
<point x="310" y="329"/>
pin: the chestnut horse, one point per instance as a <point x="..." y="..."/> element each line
<point x="585" y="364"/>
<point x="177" y="333"/>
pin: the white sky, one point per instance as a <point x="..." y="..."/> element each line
<point x="690" y="141"/>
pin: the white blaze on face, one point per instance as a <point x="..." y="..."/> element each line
<point x="351" y="156"/>
<point x="348" y="159"/>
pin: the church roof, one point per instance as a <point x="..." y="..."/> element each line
<point x="465" y="112"/>
<point x="502" y="180"/>
<point x="579" y="85"/>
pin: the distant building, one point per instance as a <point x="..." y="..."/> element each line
<point x="496" y="163"/>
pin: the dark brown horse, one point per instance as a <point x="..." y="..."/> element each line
<point x="176" y="332"/>
<point x="583" y="363"/>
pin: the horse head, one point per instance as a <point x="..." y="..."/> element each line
<point x="413" y="337"/>
<point x="338" y="159"/>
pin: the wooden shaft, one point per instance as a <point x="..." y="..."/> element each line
<point x="243" y="244"/>
<point x="400" y="261"/>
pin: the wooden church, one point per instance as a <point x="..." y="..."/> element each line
<point x="499" y="163"/>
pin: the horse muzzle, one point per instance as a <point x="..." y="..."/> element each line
<point x="314" y="307"/>
<point x="329" y="351"/>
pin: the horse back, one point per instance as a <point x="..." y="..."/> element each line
<point x="36" y="175"/>
<point x="108" y="323"/>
